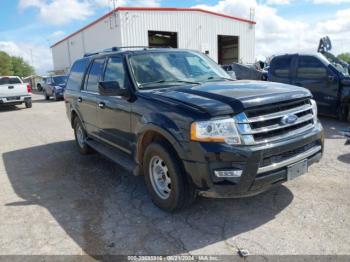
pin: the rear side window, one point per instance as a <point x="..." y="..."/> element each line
<point x="94" y="75"/>
<point x="9" y="80"/>
<point x="115" y="71"/>
<point x="281" y="66"/>
<point x="311" y="67"/>
<point x="76" y="74"/>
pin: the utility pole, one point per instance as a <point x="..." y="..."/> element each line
<point x="114" y="14"/>
<point x="31" y="57"/>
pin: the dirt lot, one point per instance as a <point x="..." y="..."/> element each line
<point x="54" y="201"/>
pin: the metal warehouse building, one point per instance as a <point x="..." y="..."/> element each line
<point x="224" y="38"/>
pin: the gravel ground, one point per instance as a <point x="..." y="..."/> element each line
<point x="55" y="202"/>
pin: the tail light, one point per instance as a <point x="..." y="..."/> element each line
<point x="29" y="89"/>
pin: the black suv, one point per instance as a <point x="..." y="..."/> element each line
<point x="177" y="118"/>
<point x="329" y="82"/>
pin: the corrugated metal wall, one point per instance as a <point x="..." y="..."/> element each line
<point x="104" y="34"/>
<point x="195" y="30"/>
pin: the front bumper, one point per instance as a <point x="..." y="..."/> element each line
<point x="14" y="100"/>
<point x="59" y="93"/>
<point x="263" y="166"/>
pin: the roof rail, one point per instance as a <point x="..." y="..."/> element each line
<point x="119" y="48"/>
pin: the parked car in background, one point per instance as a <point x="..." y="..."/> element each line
<point x="328" y="83"/>
<point x="176" y="117"/>
<point x="14" y="92"/>
<point x="229" y="70"/>
<point x="245" y="71"/>
<point x="54" y="86"/>
<point x="39" y="85"/>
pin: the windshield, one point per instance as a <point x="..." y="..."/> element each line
<point x="59" y="80"/>
<point x="341" y="69"/>
<point x="9" y="80"/>
<point x="157" y="69"/>
<point x="340" y="66"/>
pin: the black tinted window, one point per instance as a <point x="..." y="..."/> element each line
<point x="115" y="71"/>
<point x="94" y="75"/>
<point x="281" y="66"/>
<point x="9" y="80"/>
<point x="311" y="67"/>
<point x="76" y="74"/>
<point x="59" y="80"/>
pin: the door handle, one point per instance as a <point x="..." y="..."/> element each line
<point x="101" y="105"/>
<point x="80" y="99"/>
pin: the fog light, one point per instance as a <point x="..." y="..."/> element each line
<point x="228" y="173"/>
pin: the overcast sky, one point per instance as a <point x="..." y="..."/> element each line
<point x="31" y="26"/>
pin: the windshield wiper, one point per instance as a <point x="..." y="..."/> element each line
<point x="170" y="81"/>
<point x="220" y="78"/>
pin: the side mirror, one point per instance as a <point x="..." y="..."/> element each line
<point x="111" y="88"/>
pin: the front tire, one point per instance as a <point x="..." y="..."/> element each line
<point x="165" y="178"/>
<point x="81" y="137"/>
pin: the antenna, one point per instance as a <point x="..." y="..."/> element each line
<point x="31" y="57"/>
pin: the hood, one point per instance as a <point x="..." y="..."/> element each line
<point x="60" y="86"/>
<point x="218" y="98"/>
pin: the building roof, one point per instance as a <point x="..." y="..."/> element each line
<point x="154" y="9"/>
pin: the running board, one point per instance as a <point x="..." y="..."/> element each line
<point x="116" y="156"/>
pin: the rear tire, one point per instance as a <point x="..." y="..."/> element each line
<point x="28" y="103"/>
<point x="165" y="178"/>
<point x="81" y="137"/>
<point x="344" y="113"/>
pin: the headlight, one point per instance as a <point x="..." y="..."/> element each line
<point x="314" y="109"/>
<point x="221" y="130"/>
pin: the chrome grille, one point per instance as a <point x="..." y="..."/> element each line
<point x="282" y="156"/>
<point x="264" y="124"/>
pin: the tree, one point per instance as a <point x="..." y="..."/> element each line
<point x="20" y="67"/>
<point x="5" y="64"/>
<point x="345" y="57"/>
<point x="14" y="65"/>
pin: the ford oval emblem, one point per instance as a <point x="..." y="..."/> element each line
<point x="289" y="119"/>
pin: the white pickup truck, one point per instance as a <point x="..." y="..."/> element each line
<point x="14" y="92"/>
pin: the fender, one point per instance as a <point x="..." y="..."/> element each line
<point x="77" y="112"/>
<point x="345" y="95"/>
<point x="165" y="127"/>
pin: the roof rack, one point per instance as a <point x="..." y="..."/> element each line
<point x="119" y="48"/>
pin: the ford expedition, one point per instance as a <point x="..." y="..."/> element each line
<point x="176" y="117"/>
